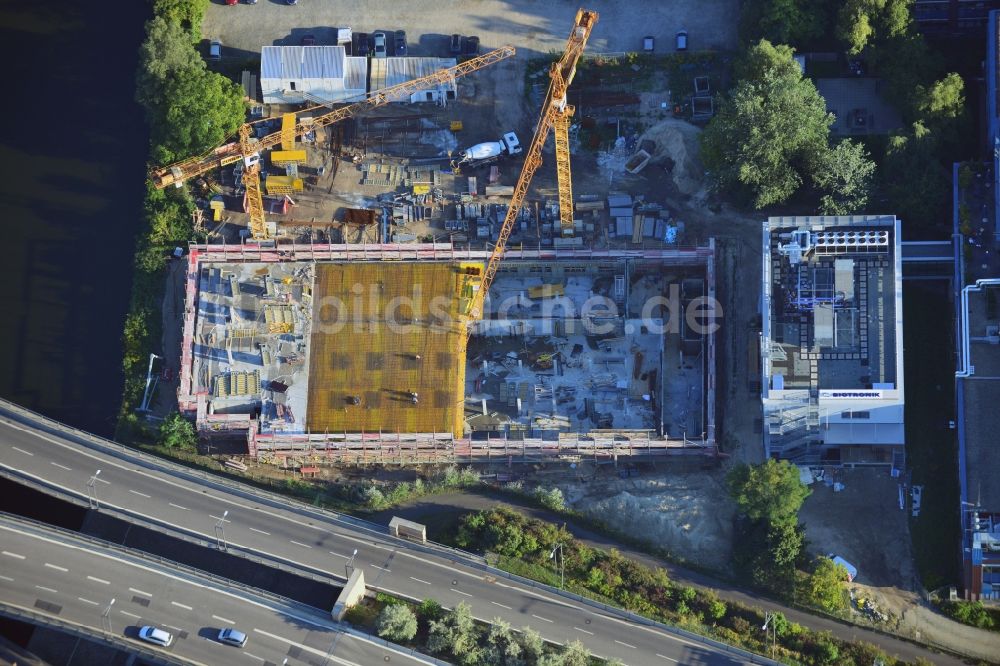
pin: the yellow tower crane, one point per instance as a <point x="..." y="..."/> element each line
<point x="248" y="149"/>
<point x="555" y="113"/>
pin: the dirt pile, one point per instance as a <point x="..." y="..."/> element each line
<point x="677" y="141"/>
<point x="687" y="514"/>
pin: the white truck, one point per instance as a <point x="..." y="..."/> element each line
<point x="488" y="152"/>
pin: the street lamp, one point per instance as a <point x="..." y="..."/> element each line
<point x="350" y="564"/>
<point x="220" y="531"/>
<point x="92" y="491"/>
<point x="562" y="567"/>
<point x="769" y="619"/>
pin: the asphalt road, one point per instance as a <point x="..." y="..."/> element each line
<point x="324" y="543"/>
<point x="74" y="579"/>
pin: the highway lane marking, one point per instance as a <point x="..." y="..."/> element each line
<point x="68" y="469"/>
<point x="136" y="492"/>
<point x="145" y="594"/>
<point x="460" y="592"/>
<point x="625" y="644"/>
<point x="132" y="615"/>
<point x="27" y="453"/>
<point x="299" y="543"/>
<point x="88" y="601"/>
<point x="304" y="648"/>
<point x="104" y="481"/>
<point x="179" y="605"/>
<point x="222" y="619"/>
<point x="497" y="603"/>
<point x="254" y="529"/>
<point x="584" y="631"/>
<point x="7" y="578"/>
<point x="47" y="589"/>
<point x="657" y="632"/>
<point x="178" y="506"/>
<point x="419" y="581"/>
<point x="98" y="580"/>
<point x="663" y="656"/>
<point x="339" y="555"/>
<point x="539" y="617"/>
<point x="10" y="554"/>
<point x="220" y="518"/>
<point x="56" y="567"/>
<point x="385" y="569"/>
<point x="253" y="656"/>
<point x="170" y="626"/>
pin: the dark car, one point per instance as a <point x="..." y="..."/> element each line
<point x="362" y="44"/>
<point x="470" y="46"/>
<point x="456" y="44"/>
<point x="399" y="37"/>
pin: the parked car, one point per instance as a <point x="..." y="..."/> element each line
<point x="250" y="2"/>
<point x="456" y="44"/>
<point x="232" y="637"/>
<point x="291" y="2"/>
<point x="379" y="45"/>
<point x="470" y="46"/>
<point x="400" y="41"/>
<point x="156" y="636"/>
<point x="232" y="2"/>
<point x="682" y="40"/>
<point x="215" y="50"/>
<point x="309" y="40"/>
<point x="362" y="44"/>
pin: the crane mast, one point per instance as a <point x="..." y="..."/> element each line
<point x="555" y="112"/>
<point x="248" y="149"/>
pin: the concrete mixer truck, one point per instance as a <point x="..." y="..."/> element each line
<point x="488" y="152"/>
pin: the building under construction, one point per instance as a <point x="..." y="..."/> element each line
<point x="363" y="354"/>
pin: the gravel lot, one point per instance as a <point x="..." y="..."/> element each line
<point x="532" y="26"/>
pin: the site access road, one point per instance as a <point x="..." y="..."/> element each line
<point x="145" y="490"/>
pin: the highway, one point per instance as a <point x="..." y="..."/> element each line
<point x="59" y="574"/>
<point x="156" y="493"/>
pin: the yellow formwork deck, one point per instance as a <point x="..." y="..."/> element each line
<point x="382" y="331"/>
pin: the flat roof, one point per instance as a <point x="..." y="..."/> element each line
<point x="382" y="331"/>
<point x="981" y="396"/>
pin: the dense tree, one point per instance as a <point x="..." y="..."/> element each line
<point x="574" y="654"/>
<point x="502" y="647"/>
<point x="187" y="14"/>
<point x="769" y="129"/>
<point x="199" y="110"/>
<point x="844" y="175"/>
<point x="455" y="633"/>
<point x="795" y="22"/>
<point x="532" y="645"/>
<point x="766" y="554"/>
<point x="165" y="53"/>
<point x="396" y="622"/>
<point x="176" y="432"/>
<point x="913" y="176"/>
<point x="770" y="491"/>
<point x="942" y="101"/>
<point x="860" y="22"/>
<point x="823" y="587"/>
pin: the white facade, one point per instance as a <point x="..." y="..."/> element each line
<point x="299" y="74"/>
<point x="386" y="72"/>
<point x="832" y="339"/>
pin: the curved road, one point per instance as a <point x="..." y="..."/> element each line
<point x="147" y="490"/>
<point x="58" y="574"/>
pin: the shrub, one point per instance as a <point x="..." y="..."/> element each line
<point x="429" y="610"/>
<point x="973" y="613"/>
<point x="551" y="499"/>
<point x="396" y="622"/>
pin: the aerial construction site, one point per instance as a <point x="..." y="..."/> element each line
<point x="427" y="311"/>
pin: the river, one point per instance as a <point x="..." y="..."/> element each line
<point x="72" y="158"/>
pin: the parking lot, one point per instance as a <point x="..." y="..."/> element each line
<point x="533" y="27"/>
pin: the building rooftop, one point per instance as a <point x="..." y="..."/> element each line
<point x="832" y="331"/>
<point x="981" y="395"/>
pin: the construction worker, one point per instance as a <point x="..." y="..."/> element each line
<point x="414" y="398"/>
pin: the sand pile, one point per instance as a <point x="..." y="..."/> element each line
<point x="677" y="140"/>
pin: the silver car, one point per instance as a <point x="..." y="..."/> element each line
<point x="156" y="636"/>
<point x="233" y="637"/>
<point x="380" y="40"/>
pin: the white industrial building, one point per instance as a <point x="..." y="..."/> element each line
<point x="387" y="72"/>
<point x="319" y="74"/>
<point x="832" y="340"/>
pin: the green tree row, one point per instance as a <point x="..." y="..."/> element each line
<point x="650" y="591"/>
<point x="189" y="110"/>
